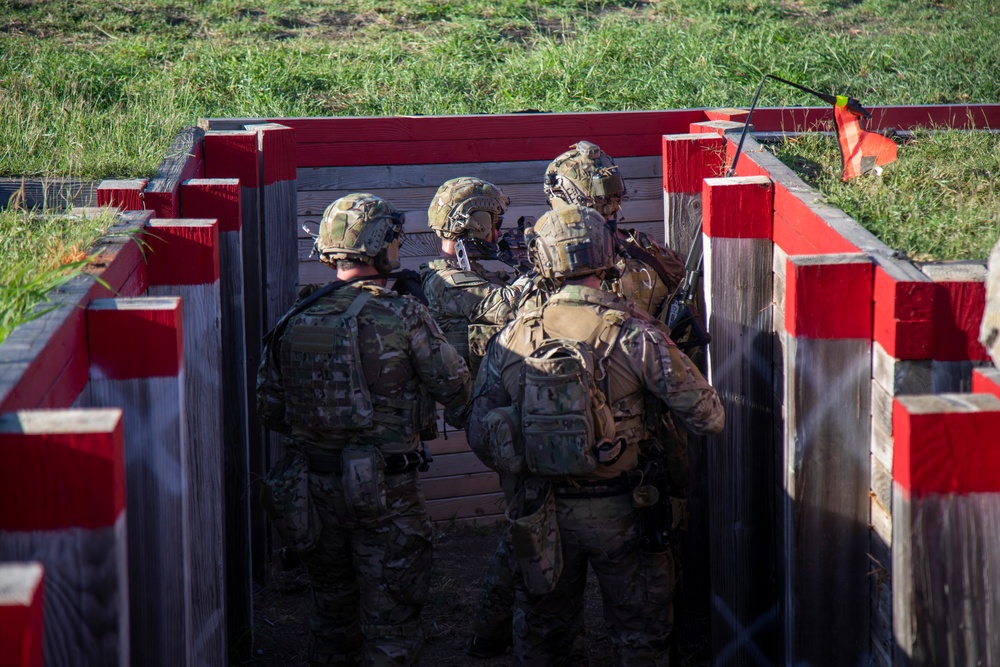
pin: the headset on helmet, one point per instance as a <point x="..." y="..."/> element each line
<point x="587" y="176"/>
<point x="360" y="227"/>
<point x="467" y="207"/>
<point x="571" y="241"/>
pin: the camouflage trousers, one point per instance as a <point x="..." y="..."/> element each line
<point x="370" y="578"/>
<point x="637" y="589"/>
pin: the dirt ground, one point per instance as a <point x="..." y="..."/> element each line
<point x="461" y="557"/>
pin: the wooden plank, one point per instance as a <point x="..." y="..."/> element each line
<point x="466" y="485"/>
<point x="22" y="602"/>
<point x="454" y="443"/>
<point x="881" y="483"/>
<point x="455" y="464"/>
<point x="389" y="176"/>
<point x="469" y="506"/>
<point x="959" y="302"/>
<point x="121" y="333"/>
<point x="182" y="161"/>
<point x="489" y="521"/>
<point x="47" y="193"/>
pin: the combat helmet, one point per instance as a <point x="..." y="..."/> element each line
<point x="571" y="241"/>
<point x="467" y="207"/>
<point x="360" y="227"/>
<point x="587" y="176"/>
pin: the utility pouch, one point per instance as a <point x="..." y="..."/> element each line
<point x="363" y="481"/>
<point x="285" y="497"/>
<point x="534" y="533"/>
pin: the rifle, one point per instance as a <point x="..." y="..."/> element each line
<point x="687" y="329"/>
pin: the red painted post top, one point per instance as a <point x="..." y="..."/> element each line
<point x="690" y="158"/>
<point x="732" y="115"/>
<point x="829" y="296"/>
<point x="232" y="155"/>
<point x="986" y="381"/>
<point x="135" y="338"/>
<point x="61" y="469"/>
<point x="737" y="208"/>
<point x="276" y="144"/>
<point x="904" y="312"/>
<point x="958" y="314"/>
<point x="22" y="587"/>
<point x="218" y="198"/>
<point x="182" y="252"/>
<point x="946" y="443"/>
<point x="123" y="194"/>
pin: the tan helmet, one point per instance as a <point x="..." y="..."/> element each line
<point x="467" y="207"/>
<point x="587" y="176"/>
<point x="359" y="227"/>
<point x="571" y="241"/>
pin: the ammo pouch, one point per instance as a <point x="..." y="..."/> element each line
<point x="534" y="535"/>
<point x="362" y="479"/>
<point x="285" y="497"/>
<point x="504" y="447"/>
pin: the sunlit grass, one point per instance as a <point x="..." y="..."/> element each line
<point x="39" y="253"/>
<point x="938" y="201"/>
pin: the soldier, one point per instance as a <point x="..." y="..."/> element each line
<point x="350" y="379"/>
<point x="466" y="213"/>
<point x="989" y="329"/>
<point x="591" y="485"/>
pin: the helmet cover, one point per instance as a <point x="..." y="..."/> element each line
<point x="460" y="205"/>
<point x="588" y="176"/>
<point x="571" y="241"/>
<point x="358" y="227"/>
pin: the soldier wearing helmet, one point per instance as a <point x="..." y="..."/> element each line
<point x="595" y="520"/>
<point x="350" y="377"/>
<point x="466" y="213"/>
<point x="648" y="273"/>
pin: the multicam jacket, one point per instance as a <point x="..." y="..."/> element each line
<point x="644" y="361"/>
<point x="457" y="298"/>
<point x="405" y="360"/>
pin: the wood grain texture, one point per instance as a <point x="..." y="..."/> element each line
<point x="829" y="296"/>
<point x="690" y="158"/>
<point x="48" y="193"/>
<point x="740" y="464"/>
<point x="827" y="509"/>
<point x="86" y="607"/>
<point x="203" y="468"/>
<point x="22" y="587"/>
<point x="122" y="194"/>
<point x="183" y="160"/>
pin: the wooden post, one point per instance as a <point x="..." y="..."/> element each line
<point x="21" y="609"/>
<point x="828" y="323"/>
<point x="741" y="460"/>
<point x="124" y="194"/>
<point x="946" y="528"/>
<point x="184" y="261"/>
<point x="220" y="199"/>
<point x="687" y="160"/>
<point x="959" y="301"/>
<point x="233" y="155"/>
<point x="137" y="363"/>
<point x="182" y="161"/>
<point x="62" y="503"/>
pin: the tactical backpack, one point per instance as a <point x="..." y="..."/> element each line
<point x="325" y="386"/>
<point x="566" y="423"/>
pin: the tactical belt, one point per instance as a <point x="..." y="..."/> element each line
<point x="591" y="488"/>
<point x="395" y="464"/>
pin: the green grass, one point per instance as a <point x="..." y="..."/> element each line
<point x="39" y="253"/>
<point x="99" y="89"/>
<point x="937" y="201"/>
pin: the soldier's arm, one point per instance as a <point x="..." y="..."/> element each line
<point x="488" y="393"/>
<point x="271" y="392"/>
<point x="440" y="367"/>
<point x="671" y="376"/>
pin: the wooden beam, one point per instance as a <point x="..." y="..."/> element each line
<point x="22" y="595"/>
<point x="184" y="160"/>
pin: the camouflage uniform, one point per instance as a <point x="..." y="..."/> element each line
<point x="370" y="570"/>
<point x="602" y="529"/>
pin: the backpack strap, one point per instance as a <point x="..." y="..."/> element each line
<point x="359" y="302"/>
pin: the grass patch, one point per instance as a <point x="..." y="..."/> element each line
<point x="99" y="89"/>
<point x="38" y="253"/>
<point x="938" y="201"/>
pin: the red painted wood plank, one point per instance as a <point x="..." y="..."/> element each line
<point x="689" y="158"/>
<point x="958" y="313"/>
<point x="799" y="230"/>
<point x="61" y="469"/>
<point x="232" y="155"/>
<point x="829" y="296"/>
<point x="22" y="629"/>
<point x="737" y="208"/>
<point x="218" y="198"/>
<point x="121" y="267"/>
<point x="903" y="318"/>
<point x="135" y="338"/>
<point x="123" y="194"/>
<point x="276" y="144"/>
<point x="986" y="381"/>
<point x="182" y="252"/>
<point x="941" y="445"/>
